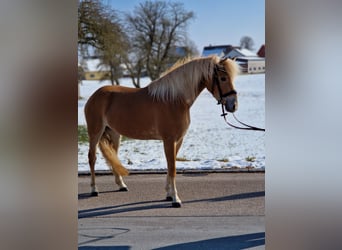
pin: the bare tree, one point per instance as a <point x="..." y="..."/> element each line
<point x="115" y="46"/>
<point x="134" y="63"/>
<point x="156" y="27"/>
<point x="145" y="46"/>
<point x="246" y="42"/>
<point x="90" y="18"/>
<point x="99" y="27"/>
<point x="80" y="77"/>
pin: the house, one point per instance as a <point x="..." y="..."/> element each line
<point x="93" y="70"/>
<point x="238" y="52"/>
<point x="219" y="50"/>
<point x="251" y="65"/>
<point x="261" y="51"/>
<point x="248" y="61"/>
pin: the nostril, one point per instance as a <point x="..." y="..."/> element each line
<point x="236" y="105"/>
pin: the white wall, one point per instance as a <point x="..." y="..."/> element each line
<point x="256" y="66"/>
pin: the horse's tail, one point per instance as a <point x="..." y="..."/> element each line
<point x="110" y="154"/>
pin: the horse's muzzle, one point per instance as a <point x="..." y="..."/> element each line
<point x="231" y="103"/>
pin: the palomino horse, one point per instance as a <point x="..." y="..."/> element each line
<point x="160" y="111"/>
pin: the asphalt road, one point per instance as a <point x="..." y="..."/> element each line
<point x="219" y="211"/>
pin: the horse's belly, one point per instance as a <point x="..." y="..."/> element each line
<point x="147" y="120"/>
<point x="141" y="134"/>
<point x="149" y="128"/>
<point x="143" y="129"/>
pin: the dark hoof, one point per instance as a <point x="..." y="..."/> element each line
<point x="169" y="198"/>
<point x="123" y="189"/>
<point x="94" y="194"/>
<point x="176" y="204"/>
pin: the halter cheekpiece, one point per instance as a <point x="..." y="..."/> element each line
<point x="216" y="82"/>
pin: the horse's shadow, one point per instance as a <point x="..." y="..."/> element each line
<point x="231" y="197"/>
<point x="154" y="204"/>
<point x="84" y="196"/>
<point x="110" y="210"/>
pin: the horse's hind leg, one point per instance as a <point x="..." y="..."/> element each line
<point x="170" y="149"/>
<point x="115" y="137"/>
<point x="109" y="151"/>
<point x="122" y="186"/>
<point x="93" y="140"/>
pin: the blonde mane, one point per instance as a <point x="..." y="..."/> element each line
<point x="177" y="64"/>
<point x="181" y="81"/>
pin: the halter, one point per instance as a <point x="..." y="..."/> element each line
<point x="216" y="82"/>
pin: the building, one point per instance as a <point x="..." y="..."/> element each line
<point x="93" y="70"/>
<point x="219" y="50"/>
<point x="96" y="75"/>
<point x="238" y="52"/>
<point x="251" y="65"/>
<point x="261" y="51"/>
<point x="248" y="61"/>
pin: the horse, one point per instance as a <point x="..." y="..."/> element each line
<point x="159" y="111"/>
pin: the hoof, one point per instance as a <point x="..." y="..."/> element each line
<point x="176" y="204"/>
<point x="169" y="198"/>
<point x="123" y="189"/>
<point x="94" y="194"/>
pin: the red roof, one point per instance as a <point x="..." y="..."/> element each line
<point x="261" y="51"/>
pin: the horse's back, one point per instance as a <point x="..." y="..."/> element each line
<point x="100" y="98"/>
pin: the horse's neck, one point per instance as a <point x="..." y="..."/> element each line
<point x="200" y="88"/>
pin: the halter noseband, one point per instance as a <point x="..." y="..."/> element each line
<point x="216" y="81"/>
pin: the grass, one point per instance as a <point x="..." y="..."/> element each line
<point x="185" y="159"/>
<point x="83" y="135"/>
<point x="250" y="158"/>
<point x="182" y="159"/>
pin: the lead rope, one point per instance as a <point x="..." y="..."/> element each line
<point x="248" y="127"/>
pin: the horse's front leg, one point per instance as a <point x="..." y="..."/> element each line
<point x="170" y="148"/>
<point x="168" y="189"/>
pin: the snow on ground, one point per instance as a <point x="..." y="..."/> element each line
<point x="209" y="143"/>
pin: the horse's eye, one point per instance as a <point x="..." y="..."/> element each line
<point x="223" y="79"/>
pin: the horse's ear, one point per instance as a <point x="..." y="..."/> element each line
<point x="223" y="59"/>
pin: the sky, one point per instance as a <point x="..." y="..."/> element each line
<point x="216" y="22"/>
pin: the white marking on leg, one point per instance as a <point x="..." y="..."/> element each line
<point x="168" y="187"/>
<point x="92" y="184"/>
<point x="94" y="188"/>
<point x="174" y="193"/>
<point x="119" y="181"/>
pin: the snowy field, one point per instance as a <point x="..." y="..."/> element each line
<point x="209" y="143"/>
